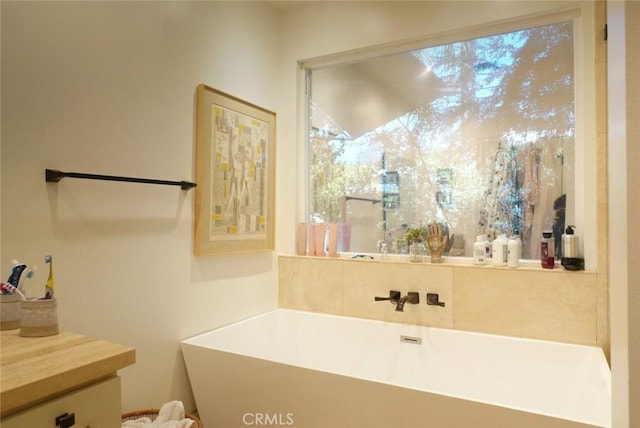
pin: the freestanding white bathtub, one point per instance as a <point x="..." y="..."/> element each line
<point x="293" y="368"/>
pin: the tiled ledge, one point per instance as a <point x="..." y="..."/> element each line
<point x="525" y="302"/>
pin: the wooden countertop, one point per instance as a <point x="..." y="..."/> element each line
<point x="34" y="369"/>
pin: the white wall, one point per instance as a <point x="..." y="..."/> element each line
<point x="108" y="88"/>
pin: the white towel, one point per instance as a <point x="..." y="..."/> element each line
<point x="171" y="415"/>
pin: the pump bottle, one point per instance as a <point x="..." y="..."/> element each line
<point x="571" y="259"/>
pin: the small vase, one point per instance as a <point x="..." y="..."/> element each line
<point x="416" y="252"/>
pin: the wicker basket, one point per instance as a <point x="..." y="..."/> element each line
<point x="153" y="414"/>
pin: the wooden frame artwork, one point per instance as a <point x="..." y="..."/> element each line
<point x="235" y="169"/>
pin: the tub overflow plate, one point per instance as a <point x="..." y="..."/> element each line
<point x="411" y="339"/>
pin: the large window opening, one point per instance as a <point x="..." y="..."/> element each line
<point x="478" y="134"/>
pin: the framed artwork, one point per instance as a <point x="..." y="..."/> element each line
<point x="235" y="173"/>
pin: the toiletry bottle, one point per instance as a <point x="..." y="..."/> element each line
<point x="480" y="250"/>
<point x="499" y="251"/>
<point x="505" y="246"/>
<point x="569" y="243"/>
<point x="384" y="253"/>
<point x="487" y="248"/>
<point x="547" y="248"/>
<point x="332" y="241"/>
<point x="321" y="239"/>
<point x="514" y="250"/>
<point x="301" y="247"/>
<point x="571" y="259"/>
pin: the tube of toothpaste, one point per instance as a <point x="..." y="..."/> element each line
<point x="16" y="273"/>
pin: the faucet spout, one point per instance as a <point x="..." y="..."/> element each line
<point x="411" y="297"/>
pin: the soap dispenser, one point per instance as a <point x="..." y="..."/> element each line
<point x="571" y="259"/>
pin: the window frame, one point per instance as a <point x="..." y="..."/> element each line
<point x="585" y="205"/>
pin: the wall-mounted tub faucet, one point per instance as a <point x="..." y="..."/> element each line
<point x="411" y="297"/>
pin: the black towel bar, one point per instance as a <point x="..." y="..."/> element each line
<point x="53" y="176"/>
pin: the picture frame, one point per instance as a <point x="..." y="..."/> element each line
<point x="235" y="175"/>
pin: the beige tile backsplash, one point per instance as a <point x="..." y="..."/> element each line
<point x="537" y="304"/>
<point x="367" y="279"/>
<point x="524" y="302"/>
<point x="311" y="286"/>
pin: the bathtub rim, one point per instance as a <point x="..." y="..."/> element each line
<point x="190" y="339"/>
<point x="604" y="364"/>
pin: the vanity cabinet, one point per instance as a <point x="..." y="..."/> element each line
<point x="93" y="406"/>
<point x="45" y="378"/>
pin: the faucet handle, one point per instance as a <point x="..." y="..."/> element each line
<point x="434" y="299"/>
<point x="394" y="296"/>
